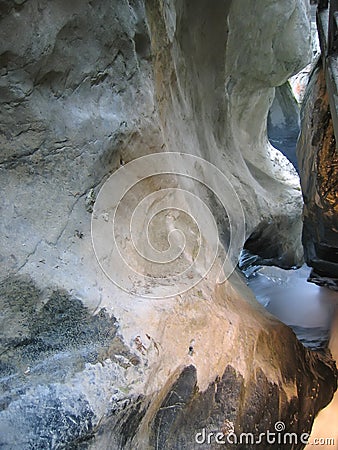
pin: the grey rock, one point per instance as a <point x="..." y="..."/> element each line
<point x="86" y="87"/>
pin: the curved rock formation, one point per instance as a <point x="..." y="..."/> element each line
<point x="208" y="82"/>
<point x="87" y="87"/>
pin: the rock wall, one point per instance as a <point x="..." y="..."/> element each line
<point x="208" y="82"/>
<point x="85" y="88"/>
<point x="318" y="158"/>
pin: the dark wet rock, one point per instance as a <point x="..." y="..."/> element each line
<point x="186" y="416"/>
<point x="318" y="163"/>
<point x="45" y="385"/>
<point x="45" y="421"/>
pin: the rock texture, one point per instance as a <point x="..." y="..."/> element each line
<point x="86" y="87"/>
<point x="318" y="162"/>
<point x="190" y="86"/>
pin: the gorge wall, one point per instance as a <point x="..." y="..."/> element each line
<point x="318" y="162"/>
<point x="87" y="87"/>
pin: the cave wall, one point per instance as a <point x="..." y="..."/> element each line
<point x="317" y="156"/>
<point x="85" y="88"/>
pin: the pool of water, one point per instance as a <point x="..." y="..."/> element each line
<point x="307" y="308"/>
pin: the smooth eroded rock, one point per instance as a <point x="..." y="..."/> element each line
<point x="86" y="87"/>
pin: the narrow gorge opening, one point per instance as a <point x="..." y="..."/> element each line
<point x="269" y="281"/>
<point x="305" y="307"/>
<point x="310" y="310"/>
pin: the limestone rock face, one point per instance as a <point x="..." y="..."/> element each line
<point x="207" y="81"/>
<point x="86" y="87"/>
<point x="318" y="162"/>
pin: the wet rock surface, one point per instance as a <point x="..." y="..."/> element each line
<point x="185" y="411"/>
<point x="318" y="158"/>
<point x="187" y="417"/>
<point x="40" y="336"/>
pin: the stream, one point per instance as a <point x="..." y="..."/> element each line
<point x="305" y="307"/>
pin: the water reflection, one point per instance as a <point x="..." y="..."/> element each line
<point x="307" y="308"/>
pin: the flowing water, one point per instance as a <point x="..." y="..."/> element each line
<point x="307" y="308"/>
